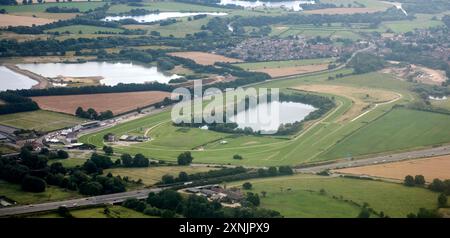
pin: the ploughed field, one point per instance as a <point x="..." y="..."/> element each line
<point x="430" y="168"/>
<point x="204" y="58"/>
<point x="116" y="102"/>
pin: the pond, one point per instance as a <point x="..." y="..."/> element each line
<point x="292" y="5"/>
<point x="154" y="17"/>
<point x="12" y="80"/>
<point x="112" y="73"/>
<point x="267" y="117"/>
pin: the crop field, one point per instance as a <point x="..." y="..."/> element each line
<point x="333" y="31"/>
<point x="97" y="212"/>
<point x="39" y="120"/>
<point x="116" y="102"/>
<point x="82" y="6"/>
<point x="287" y="67"/>
<point x="301" y="196"/>
<point x="179" y="29"/>
<point x="76" y="29"/>
<point x="283" y="63"/>
<point x="205" y="58"/>
<point x="11" y="20"/>
<point x="52" y="193"/>
<point x="337" y="10"/>
<point x="430" y="168"/>
<point x="444" y="104"/>
<point x="152" y="175"/>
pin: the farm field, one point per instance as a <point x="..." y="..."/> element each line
<point x="395" y="131"/>
<point x="430" y="168"/>
<point x="445" y="104"/>
<point x="39" y="120"/>
<point x="152" y="175"/>
<point x="204" y="58"/>
<point x="283" y="63"/>
<point x="52" y="193"/>
<point x="11" y="20"/>
<point x="76" y="29"/>
<point x="287" y="71"/>
<point x="420" y="22"/>
<point x="179" y="29"/>
<point x="36" y="8"/>
<point x="97" y="212"/>
<point x="116" y="102"/>
<point x="301" y="196"/>
<point x="332" y="11"/>
<point x="333" y="31"/>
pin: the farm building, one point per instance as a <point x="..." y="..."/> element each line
<point x="91" y="124"/>
<point x="218" y="193"/>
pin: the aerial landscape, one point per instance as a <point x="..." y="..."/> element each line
<point x="224" y="109"/>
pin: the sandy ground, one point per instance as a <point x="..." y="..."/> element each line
<point x="12" y="20"/>
<point x="418" y="74"/>
<point x="116" y="102"/>
<point x="286" y="71"/>
<point x="363" y="98"/>
<point x="205" y="58"/>
<point x="430" y="168"/>
<point x="352" y="10"/>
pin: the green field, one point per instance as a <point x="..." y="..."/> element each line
<point x="299" y="196"/>
<point x="421" y="21"/>
<point x="152" y="175"/>
<point x="444" y="104"/>
<point x="39" y="120"/>
<point x="308" y="30"/>
<point x="75" y="29"/>
<point x="398" y="130"/>
<point x="98" y="212"/>
<point x="52" y="193"/>
<point x="283" y="63"/>
<point x="166" y="6"/>
<point x="82" y="6"/>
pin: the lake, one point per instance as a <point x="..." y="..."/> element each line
<point x="292" y="5"/>
<point x="112" y="73"/>
<point x="12" y="80"/>
<point x="268" y="120"/>
<point x="154" y="17"/>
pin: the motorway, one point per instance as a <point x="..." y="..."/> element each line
<point x="442" y="150"/>
<point x="88" y="201"/>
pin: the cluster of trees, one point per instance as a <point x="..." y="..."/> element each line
<point x="185" y="158"/>
<point x="366" y="62"/>
<point x="32" y="171"/>
<point x="119" y="88"/>
<point x="57" y="9"/>
<point x="184" y="177"/>
<point x="418" y="180"/>
<point x="139" y="160"/>
<point x="16" y="103"/>
<point x="429" y="7"/>
<point x="8" y="2"/>
<point x="93" y="115"/>
<point x="169" y="204"/>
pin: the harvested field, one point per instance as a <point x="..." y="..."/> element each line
<point x="12" y="20"/>
<point x="205" y="58"/>
<point x="352" y="10"/>
<point x="286" y="71"/>
<point x="363" y="98"/>
<point x="430" y="168"/>
<point x="116" y="102"/>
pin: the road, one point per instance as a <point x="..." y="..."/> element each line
<point x="443" y="150"/>
<point x="89" y="201"/>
